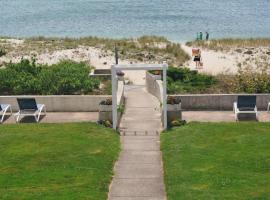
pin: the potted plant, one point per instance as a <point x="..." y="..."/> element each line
<point x="156" y="74"/>
<point x="174" y="111"/>
<point x="105" y="105"/>
<point x="173" y="103"/>
<point x="120" y="75"/>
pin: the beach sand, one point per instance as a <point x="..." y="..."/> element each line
<point x="213" y="62"/>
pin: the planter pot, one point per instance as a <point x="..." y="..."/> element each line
<point x="174" y="107"/>
<point x="105" y="108"/>
<point x="174" y="112"/>
<point x="157" y="77"/>
<point x="105" y="112"/>
<point x="121" y="78"/>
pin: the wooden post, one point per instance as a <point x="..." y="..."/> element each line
<point x="165" y="66"/>
<point x="114" y="97"/>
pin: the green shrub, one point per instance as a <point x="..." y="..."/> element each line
<point x="27" y="77"/>
<point x="2" y="52"/>
<point x="184" y="80"/>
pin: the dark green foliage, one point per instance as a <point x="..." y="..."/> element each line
<point x="27" y="77"/>
<point x="2" y="52"/>
<point x="184" y="80"/>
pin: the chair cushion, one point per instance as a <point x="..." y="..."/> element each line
<point x="246" y="109"/>
<point x="246" y="103"/>
<point x="27" y="104"/>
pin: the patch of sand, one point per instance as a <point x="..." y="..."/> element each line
<point x="213" y="62"/>
<point x="12" y="41"/>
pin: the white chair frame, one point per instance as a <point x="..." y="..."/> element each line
<point x="36" y="113"/>
<point x="237" y="111"/>
<point x="5" y="108"/>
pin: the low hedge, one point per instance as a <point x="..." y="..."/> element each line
<point x="29" y="78"/>
<point x="184" y="80"/>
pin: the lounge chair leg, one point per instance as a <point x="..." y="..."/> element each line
<point x="36" y="118"/>
<point x="17" y="119"/>
<point x="236" y="116"/>
<point x="2" y="118"/>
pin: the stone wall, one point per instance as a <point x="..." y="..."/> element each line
<point x="217" y="101"/>
<point x="61" y="103"/>
<point x="154" y="85"/>
<point x="202" y="101"/>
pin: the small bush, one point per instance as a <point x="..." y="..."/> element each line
<point x="173" y="100"/>
<point x="184" y="80"/>
<point x="2" y="52"/>
<point x="29" y="78"/>
<point x="106" y="102"/>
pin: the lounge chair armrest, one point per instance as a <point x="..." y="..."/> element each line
<point x="40" y="106"/>
<point x="235" y="109"/>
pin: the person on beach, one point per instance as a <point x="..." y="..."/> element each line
<point x="207" y="36"/>
<point x="201" y="35"/>
<point x="197" y="58"/>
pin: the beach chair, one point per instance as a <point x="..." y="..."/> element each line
<point x="29" y="107"/>
<point x="245" y="105"/>
<point x="3" y="110"/>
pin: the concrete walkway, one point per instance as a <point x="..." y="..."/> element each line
<point x="58" y="117"/>
<point x="139" y="172"/>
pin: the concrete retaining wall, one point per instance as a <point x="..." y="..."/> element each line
<point x="202" y="101"/>
<point x="62" y="103"/>
<point x="107" y="115"/>
<point x="217" y="101"/>
<point x="154" y="85"/>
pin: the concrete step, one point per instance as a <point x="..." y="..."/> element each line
<point x="139" y="157"/>
<point x="138" y="171"/>
<point x="139" y="188"/>
<point x="136" y="132"/>
<point x="140" y="127"/>
<point x="137" y="198"/>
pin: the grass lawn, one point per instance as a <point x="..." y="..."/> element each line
<point x="56" y="161"/>
<point x="217" y="161"/>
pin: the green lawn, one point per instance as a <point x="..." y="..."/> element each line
<point x="56" y="161"/>
<point x="217" y="161"/>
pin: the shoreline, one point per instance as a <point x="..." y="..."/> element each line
<point x="178" y="41"/>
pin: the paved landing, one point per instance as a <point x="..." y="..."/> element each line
<point x="221" y="116"/>
<point x="139" y="172"/>
<point x="58" y="117"/>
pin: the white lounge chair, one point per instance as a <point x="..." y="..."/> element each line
<point x="29" y="107"/>
<point x="3" y="110"/>
<point x="245" y="105"/>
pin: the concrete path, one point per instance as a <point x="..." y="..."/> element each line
<point x="58" y="117"/>
<point x="221" y="116"/>
<point x="139" y="172"/>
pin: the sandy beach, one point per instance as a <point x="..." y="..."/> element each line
<point x="214" y="62"/>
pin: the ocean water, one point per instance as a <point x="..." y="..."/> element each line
<point x="179" y="20"/>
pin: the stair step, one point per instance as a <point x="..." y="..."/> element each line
<point x="124" y="132"/>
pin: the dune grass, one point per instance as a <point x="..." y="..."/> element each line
<point x="229" y="43"/>
<point x="217" y="161"/>
<point x="142" y="49"/>
<point x="56" y="161"/>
